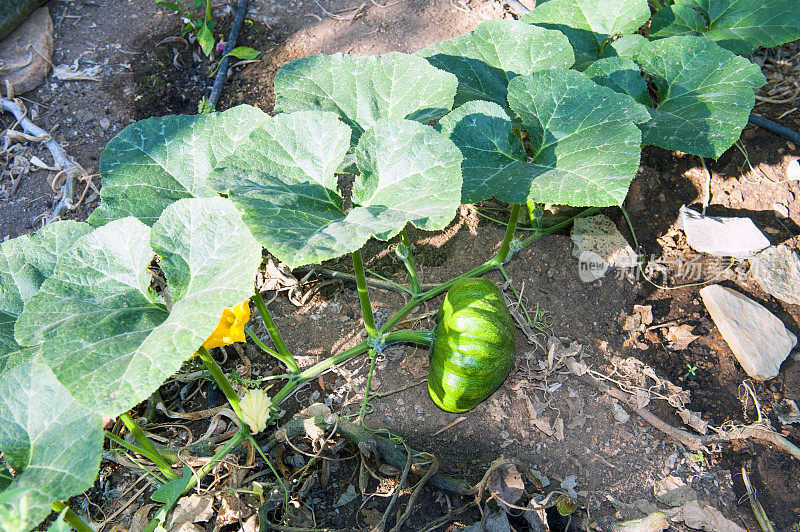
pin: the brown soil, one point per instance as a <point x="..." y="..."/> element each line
<point x="613" y="462"/>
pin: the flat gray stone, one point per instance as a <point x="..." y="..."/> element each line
<point x="26" y="53"/>
<point x="599" y="246"/>
<point x="721" y="237"/>
<point x="777" y="270"/>
<point x="759" y="340"/>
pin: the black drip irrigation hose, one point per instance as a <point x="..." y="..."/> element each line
<point x="222" y="71"/>
<point x="772" y="127"/>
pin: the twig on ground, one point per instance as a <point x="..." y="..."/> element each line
<point x="390" y="453"/>
<point x="381" y="526"/>
<point x="410" y="506"/>
<point x="695" y="442"/>
<point x="758" y="510"/>
<point x="60" y="158"/>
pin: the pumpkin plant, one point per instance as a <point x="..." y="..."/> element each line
<point x="95" y="316"/>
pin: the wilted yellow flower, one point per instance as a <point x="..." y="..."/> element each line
<point x="230" y="328"/>
<point x="255" y="406"/>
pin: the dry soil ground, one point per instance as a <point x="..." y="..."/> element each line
<point x="613" y="462"/>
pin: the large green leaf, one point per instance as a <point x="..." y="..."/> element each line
<point x="583" y="137"/>
<point x="285" y="187"/>
<point x="621" y="75"/>
<point x="51" y="443"/>
<point x="25" y="262"/>
<point x="157" y="161"/>
<point x="589" y="23"/>
<point x="488" y="58"/>
<point x="705" y="95"/>
<point x="738" y="25"/>
<point x="106" y="335"/>
<point x="364" y="90"/>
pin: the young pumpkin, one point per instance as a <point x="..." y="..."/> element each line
<point x="474" y="346"/>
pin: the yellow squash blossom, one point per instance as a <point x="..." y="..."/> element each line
<point x="230" y="328"/>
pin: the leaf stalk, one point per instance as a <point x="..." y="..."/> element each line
<point x="147" y="450"/>
<point x="71" y="517"/>
<point x="289" y="361"/>
<point x="221" y="380"/>
<point x="404" y="252"/>
<point x="363" y="294"/>
<point x="285" y="356"/>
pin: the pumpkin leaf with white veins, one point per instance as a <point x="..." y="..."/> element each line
<point x="621" y="75"/>
<point x="25" y="262"/>
<point x="589" y="24"/>
<point x="108" y="338"/>
<point x="705" y="95"/>
<point x="51" y="443"/>
<point x="286" y="189"/>
<point x="486" y="59"/>
<point x="363" y="90"/>
<point x="740" y="26"/>
<point x="157" y="161"/>
<point x="584" y="140"/>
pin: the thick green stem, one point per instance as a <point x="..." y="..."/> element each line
<point x="404" y="252"/>
<point x="147" y="450"/>
<point x="220" y="378"/>
<point x="533" y="219"/>
<point x="274" y="335"/>
<point x="138" y="450"/>
<point x="363" y="410"/>
<point x="503" y="253"/>
<point x="363" y="294"/>
<point x="289" y="361"/>
<point x="558" y="227"/>
<point x="71" y="517"/>
<point x="419" y="337"/>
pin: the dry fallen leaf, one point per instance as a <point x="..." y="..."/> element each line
<point x="558" y="429"/>
<point x="680" y="336"/>
<point x="655" y="522"/>
<point x="701" y="517"/>
<point x="645" y="312"/>
<point x="231" y="510"/>
<point x="693" y="419"/>
<point x="192" y="509"/>
<point x="507" y="486"/>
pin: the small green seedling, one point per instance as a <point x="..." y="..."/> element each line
<point x="200" y="27"/>
<point x="691" y="372"/>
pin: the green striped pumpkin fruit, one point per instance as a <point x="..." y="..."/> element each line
<point x="474" y="346"/>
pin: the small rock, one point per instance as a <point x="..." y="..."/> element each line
<point x="599" y="246"/>
<point x="787" y="412"/>
<point x="781" y="210"/>
<point x="619" y="413"/>
<point x="346" y="497"/>
<point x="722" y="237"/>
<point x="759" y="340"/>
<point x="793" y="170"/>
<point x="777" y="270"/>
<point x="27" y="67"/>
<point x="105" y="123"/>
